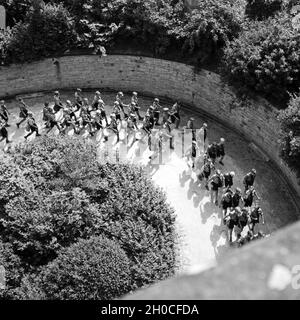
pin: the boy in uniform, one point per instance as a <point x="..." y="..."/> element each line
<point x="156" y="111"/>
<point x="228" y="179"/>
<point x="3" y="131"/>
<point x="249" y="179"/>
<point x="226" y="203"/>
<point x="221" y="151"/>
<point x="4" y="112"/>
<point x="31" y="126"/>
<point x="174" y="114"/>
<point x="249" y="197"/>
<point x="236" y="198"/>
<point x="255" y="216"/>
<point x="216" y="183"/>
<point x="23" y="112"/>
<point x="57" y="102"/>
<point x="135" y="101"/>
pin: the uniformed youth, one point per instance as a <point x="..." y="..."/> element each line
<point x="24" y="109"/>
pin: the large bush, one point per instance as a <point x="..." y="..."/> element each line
<point x="16" y="10"/>
<point x="290" y="124"/>
<point x="56" y="193"/>
<point x="13" y="271"/>
<point x="266" y="57"/>
<point x="211" y="26"/>
<point x="93" y="269"/>
<point x="164" y="28"/>
<point x="47" y="30"/>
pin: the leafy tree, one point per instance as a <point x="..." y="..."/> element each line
<point x="266" y="57"/>
<point x="47" y="30"/>
<point x="39" y="225"/>
<point x="210" y="27"/>
<point x="58" y="193"/>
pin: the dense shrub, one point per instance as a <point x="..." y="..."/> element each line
<point x="266" y="57"/>
<point x="94" y="269"/>
<point x="290" y="124"/>
<point x="161" y="28"/>
<point x="263" y="9"/>
<point x="56" y="193"/>
<point x="39" y="225"/>
<point x="13" y="271"/>
<point x="47" y="30"/>
<point x="16" y="10"/>
<point x="211" y="26"/>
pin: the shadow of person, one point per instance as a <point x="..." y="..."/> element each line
<point x="153" y="168"/>
<point x="199" y="193"/>
<point x="206" y="211"/>
<point x="219" y="239"/>
<point x="197" y="199"/>
<point x="183" y="178"/>
<point x="216" y="233"/>
<point x="191" y="189"/>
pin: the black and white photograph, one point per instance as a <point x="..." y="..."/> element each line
<point x="149" y="151"/>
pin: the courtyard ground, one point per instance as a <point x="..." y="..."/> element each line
<point x="203" y="240"/>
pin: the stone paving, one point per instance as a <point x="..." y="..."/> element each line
<point x="203" y="238"/>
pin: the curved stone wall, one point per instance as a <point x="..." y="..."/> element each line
<point x="256" y="120"/>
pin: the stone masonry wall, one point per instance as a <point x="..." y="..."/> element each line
<point x="204" y="90"/>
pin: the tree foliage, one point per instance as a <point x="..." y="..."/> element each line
<point x="47" y="29"/>
<point x="93" y="269"/>
<point x="290" y="138"/>
<point x="263" y="9"/>
<point x="13" y="271"/>
<point x="165" y="27"/>
<point x="266" y="57"/>
<point x="56" y="194"/>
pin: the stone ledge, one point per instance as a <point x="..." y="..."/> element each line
<point x="260" y="270"/>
